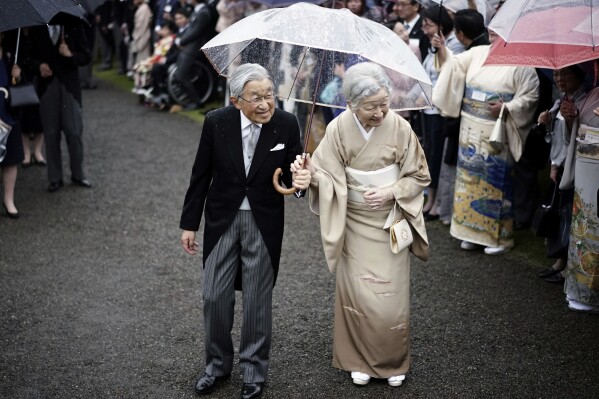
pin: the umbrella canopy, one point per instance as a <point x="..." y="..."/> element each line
<point x="285" y="3"/>
<point x="299" y="46"/>
<point x="545" y="33"/>
<point x="21" y="13"/>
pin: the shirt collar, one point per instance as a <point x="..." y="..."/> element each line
<point x="413" y="22"/>
<point x="245" y="122"/>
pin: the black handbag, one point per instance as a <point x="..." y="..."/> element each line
<point x="557" y="246"/>
<point x="545" y="221"/>
<point x="23" y="95"/>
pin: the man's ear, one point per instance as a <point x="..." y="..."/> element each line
<point x="235" y="101"/>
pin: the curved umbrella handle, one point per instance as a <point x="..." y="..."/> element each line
<point x="280" y="189"/>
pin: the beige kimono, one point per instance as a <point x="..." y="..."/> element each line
<point x="372" y="299"/>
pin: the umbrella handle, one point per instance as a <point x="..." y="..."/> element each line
<point x="280" y="189"/>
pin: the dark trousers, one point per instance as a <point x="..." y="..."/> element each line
<point x="184" y="75"/>
<point x="61" y="112"/>
<point x="433" y="145"/>
<point x="525" y="191"/>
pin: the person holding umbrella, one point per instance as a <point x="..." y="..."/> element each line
<point x="231" y="183"/>
<point x="372" y="296"/>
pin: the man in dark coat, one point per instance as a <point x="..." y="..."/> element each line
<point x="58" y="52"/>
<point x="231" y="183"/>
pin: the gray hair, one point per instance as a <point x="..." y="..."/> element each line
<point x="246" y="73"/>
<point x="364" y="80"/>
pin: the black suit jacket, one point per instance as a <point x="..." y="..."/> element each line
<point x="200" y="30"/>
<point x="418" y="33"/>
<point x="218" y="182"/>
<point x="65" y="69"/>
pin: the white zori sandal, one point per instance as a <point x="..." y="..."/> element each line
<point x="396" y="381"/>
<point x="360" y="378"/>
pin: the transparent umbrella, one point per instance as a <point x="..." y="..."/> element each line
<point x="300" y="46"/>
<point x="545" y="33"/>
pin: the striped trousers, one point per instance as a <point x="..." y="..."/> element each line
<point x="241" y="249"/>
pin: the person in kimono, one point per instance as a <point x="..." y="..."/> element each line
<point x="372" y="295"/>
<point x="581" y="168"/>
<point x="482" y="207"/>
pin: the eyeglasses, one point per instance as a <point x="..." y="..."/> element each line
<point x="257" y="100"/>
<point x="428" y="24"/>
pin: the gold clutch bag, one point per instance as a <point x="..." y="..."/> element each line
<point x="400" y="236"/>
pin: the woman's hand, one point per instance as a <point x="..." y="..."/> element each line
<point x="543" y="118"/>
<point x="377" y="197"/>
<point x="16" y="73"/>
<point x="568" y="109"/>
<point x="302" y="171"/>
<point x="438" y="42"/>
<point x="494" y="108"/>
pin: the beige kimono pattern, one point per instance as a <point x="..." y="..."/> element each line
<point x="372" y="298"/>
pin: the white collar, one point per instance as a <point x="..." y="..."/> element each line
<point x="245" y="121"/>
<point x="412" y="22"/>
<point x="367" y="135"/>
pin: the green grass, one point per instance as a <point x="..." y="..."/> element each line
<point x="126" y="84"/>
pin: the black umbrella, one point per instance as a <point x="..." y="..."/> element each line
<point x="91" y="5"/>
<point x="22" y="13"/>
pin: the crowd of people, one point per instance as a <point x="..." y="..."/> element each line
<point x="482" y="191"/>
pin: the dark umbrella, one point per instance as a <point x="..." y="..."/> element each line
<point x="91" y="5"/>
<point x="21" y="13"/>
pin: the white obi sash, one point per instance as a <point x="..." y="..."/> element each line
<point x="359" y="181"/>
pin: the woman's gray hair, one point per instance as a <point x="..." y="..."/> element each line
<point x="246" y="73"/>
<point x="364" y="80"/>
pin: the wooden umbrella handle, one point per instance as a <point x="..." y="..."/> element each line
<point x="280" y="189"/>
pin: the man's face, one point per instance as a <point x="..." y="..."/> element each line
<point x="405" y="9"/>
<point x="257" y="101"/>
<point x="181" y="20"/>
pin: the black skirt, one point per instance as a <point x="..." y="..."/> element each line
<point x="14" y="148"/>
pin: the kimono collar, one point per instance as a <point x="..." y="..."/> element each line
<point x="367" y="135"/>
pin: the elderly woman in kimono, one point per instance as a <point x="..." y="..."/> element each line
<point x="367" y="142"/>
<point x="482" y="210"/>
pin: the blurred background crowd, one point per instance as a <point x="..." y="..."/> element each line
<point x="157" y="44"/>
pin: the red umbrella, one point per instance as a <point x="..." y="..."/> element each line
<point x="545" y="33"/>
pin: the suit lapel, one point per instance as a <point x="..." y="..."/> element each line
<point x="267" y="140"/>
<point x="232" y="135"/>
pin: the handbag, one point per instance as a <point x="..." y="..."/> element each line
<point x="545" y="221"/>
<point x="400" y="233"/>
<point x="23" y="95"/>
<point x="5" y="129"/>
<point x="497" y="138"/>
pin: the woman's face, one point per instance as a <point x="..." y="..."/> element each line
<point x="566" y="80"/>
<point x="429" y="28"/>
<point x="355" y="6"/>
<point x="372" y="110"/>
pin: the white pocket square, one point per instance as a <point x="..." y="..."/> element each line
<point x="278" y="147"/>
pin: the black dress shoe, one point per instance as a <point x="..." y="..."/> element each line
<point x="11" y="215"/>
<point x="548" y="272"/>
<point x="82" y="183"/>
<point x="430" y="217"/>
<point x="55" y="186"/>
<point x="251" y="390"/>
<point x="206" y="383"/>
<point x="556" y="278"/>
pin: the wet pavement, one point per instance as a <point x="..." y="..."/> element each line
<point x="98" y="300"/>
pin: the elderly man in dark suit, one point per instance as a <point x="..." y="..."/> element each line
<point x="58" y="52"/>
<point x="231" y="182"/>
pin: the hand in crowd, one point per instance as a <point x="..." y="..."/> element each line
<point x="495" y="108"/>
<point x="553" y="173"/>
<point x="376" y="197"/>
<point x="64" y="50"/>
<point x="438" y="41"/>
<point x="302" y="171"/>
<point x="45" y="70"/>
<point x="596" y="111"/>
<point x="188" y="240"/>
<point x="16" y="73"/>
<point x="543" y="118"/>
<point x="568" y="109"/>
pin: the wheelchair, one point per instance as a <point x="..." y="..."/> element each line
<point x="204" y="80"/>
